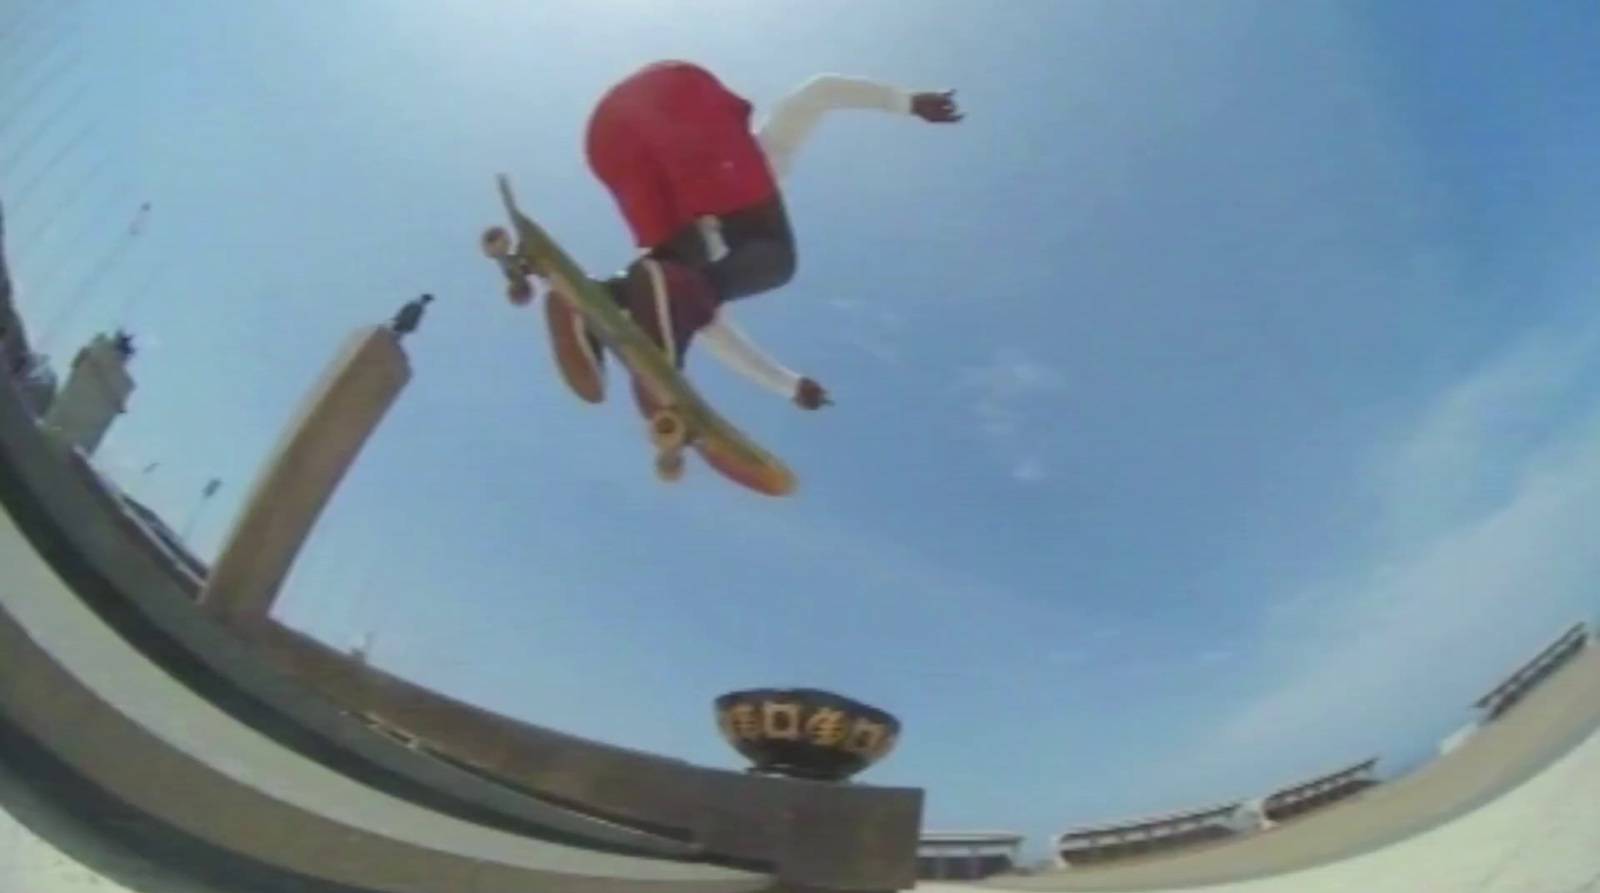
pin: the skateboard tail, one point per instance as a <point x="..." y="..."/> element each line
<point x="767" y="479"/>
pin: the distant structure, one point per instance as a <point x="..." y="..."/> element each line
<point x="37" y="383"/>
<point x="967" y="855"/>
<point x="1119" y="841"/>
<point x="361" y="649"/>
<point x="14" y="351"/>
<point x="27" y="371"/>
<point x="13" y="343"/>
<point x="1510" y="692"/>
<point x="1251" y="815"/>
<point x="1324" y="790"/>
<point x="1526" y="678"/>
<point x="95" y="394"/>
<point x="1453" y="741"/>
<point x="165" y="536"/>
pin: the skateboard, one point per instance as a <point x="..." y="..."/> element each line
<point x="681" y="419"/>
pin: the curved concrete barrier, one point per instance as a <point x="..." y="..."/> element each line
<point x="1538" y="837"/>
<point x="82" y="569"/>
<point x="1552" y="723"/>
<point x="94" y="722"/>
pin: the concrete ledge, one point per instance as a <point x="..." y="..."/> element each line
<point x="792" y="825"/>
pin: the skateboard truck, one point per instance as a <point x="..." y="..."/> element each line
<point x="496" y="245"/>
<point x="669" y="437"/>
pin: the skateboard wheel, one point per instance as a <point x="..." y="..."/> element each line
<point x="667" y="432"/>
<point x="520" y="292"/>
<point x="496" y="242"/>
<point x="669" y="466"/>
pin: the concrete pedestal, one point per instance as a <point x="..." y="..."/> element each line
<point x="317" y="449"/>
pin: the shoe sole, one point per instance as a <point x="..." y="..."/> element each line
<point x="575" y="359"/>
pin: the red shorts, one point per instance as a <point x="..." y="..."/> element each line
<point x="673" y="145"/>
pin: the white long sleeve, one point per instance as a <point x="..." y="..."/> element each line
<point x="738" y="353"/>
<point x="781" y="135"/>
<point x="797" y="115"/>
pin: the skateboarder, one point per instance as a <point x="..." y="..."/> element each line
<point x="699" y="192"/>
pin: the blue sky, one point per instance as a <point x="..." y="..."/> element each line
<point x="1214" y="405"/>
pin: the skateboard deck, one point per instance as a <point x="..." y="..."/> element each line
<point x="683" y="419"/>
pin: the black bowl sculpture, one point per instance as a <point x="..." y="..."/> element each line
<point x="805" y="733"/>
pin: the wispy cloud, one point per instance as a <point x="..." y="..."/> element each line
<point x="1095" y="645"/>
<point x="1472" y="443"/>
<point x="1484" y="550"/>
<point x="1006" y="390"/>
<point x="873" y="330"/>
<point x="1029" y="469"/>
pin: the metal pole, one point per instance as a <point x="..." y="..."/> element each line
<point x="14" y="72"/>
<point x="68" y="200"/>
<point x="20" y="19"/>
<point x="194" y="515"/>
<point x="26" y="145"/>
<point x="85" y="289"/>
<point x="20" y="198"/>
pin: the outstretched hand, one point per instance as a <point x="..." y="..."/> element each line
<point x="810" y="395"/>
<point x="936" y="108"/>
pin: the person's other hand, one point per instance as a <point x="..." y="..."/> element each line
<point x="810" y="395"/>
<point x="937" y="108"/>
